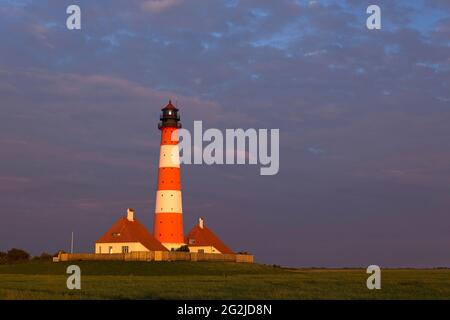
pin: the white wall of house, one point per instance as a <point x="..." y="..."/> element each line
<point x="116" y="247"/>
<point x="206" y="249"/>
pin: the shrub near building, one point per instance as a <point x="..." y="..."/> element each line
<point x="14" y="255"/>
<point x="3" y="256"/>
<point x="43" y="257"/>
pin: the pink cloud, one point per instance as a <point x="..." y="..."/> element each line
<point x="99" y="91"/>
<point x="159" y="5"/>
<point x="13" y="183"/>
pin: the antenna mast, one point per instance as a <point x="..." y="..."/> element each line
<point x="71" y="244"/>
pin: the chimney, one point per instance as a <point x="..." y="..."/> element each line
<point x="130" y="214"/>
<point x="200" y="223"/>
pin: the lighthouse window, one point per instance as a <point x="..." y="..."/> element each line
<point x="169" y="113"/>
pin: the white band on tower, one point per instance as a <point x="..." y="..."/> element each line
<point x="169" y="156"/>
<point x="168" y="201"/>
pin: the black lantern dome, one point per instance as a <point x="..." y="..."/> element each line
<point x="169" y="117"/>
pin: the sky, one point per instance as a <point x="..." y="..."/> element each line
<point x="363" y="117"/>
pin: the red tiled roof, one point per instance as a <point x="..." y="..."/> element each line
<point x="205" y="237"/>
<point x="131" y="231"/>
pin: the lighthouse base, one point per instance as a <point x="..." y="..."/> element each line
<point x="173" y="246"/>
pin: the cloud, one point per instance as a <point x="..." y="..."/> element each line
<point x="439" y="3"/>
<point x="316" y="151"/>
<point x="159" y="5"/>
<point x="9" y="183"/>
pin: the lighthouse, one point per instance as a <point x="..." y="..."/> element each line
<point x="168" y="222"/>
<point x="128" y="235"/>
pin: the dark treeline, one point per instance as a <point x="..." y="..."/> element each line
<point x="18" y="255"/>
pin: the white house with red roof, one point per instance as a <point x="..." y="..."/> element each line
<point x="202" y="239"/>
<point x="127" y="235"/>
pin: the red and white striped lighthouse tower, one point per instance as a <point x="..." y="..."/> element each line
<point x="168" y="224"/>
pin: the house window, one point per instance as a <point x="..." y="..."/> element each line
<point x="191" y="241"/>
<point x="99" y="249"/>
<point x="125" y="249"/>
<point x="201" y="250"/>
<point x="110" y="250"/>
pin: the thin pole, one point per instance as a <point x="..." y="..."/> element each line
<point x="71" y="244"/>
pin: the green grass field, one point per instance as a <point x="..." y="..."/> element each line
<point x="212" y="280"/>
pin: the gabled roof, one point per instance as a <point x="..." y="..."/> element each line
<point x="125" y="230"/>
<point x="205" y="237"/>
